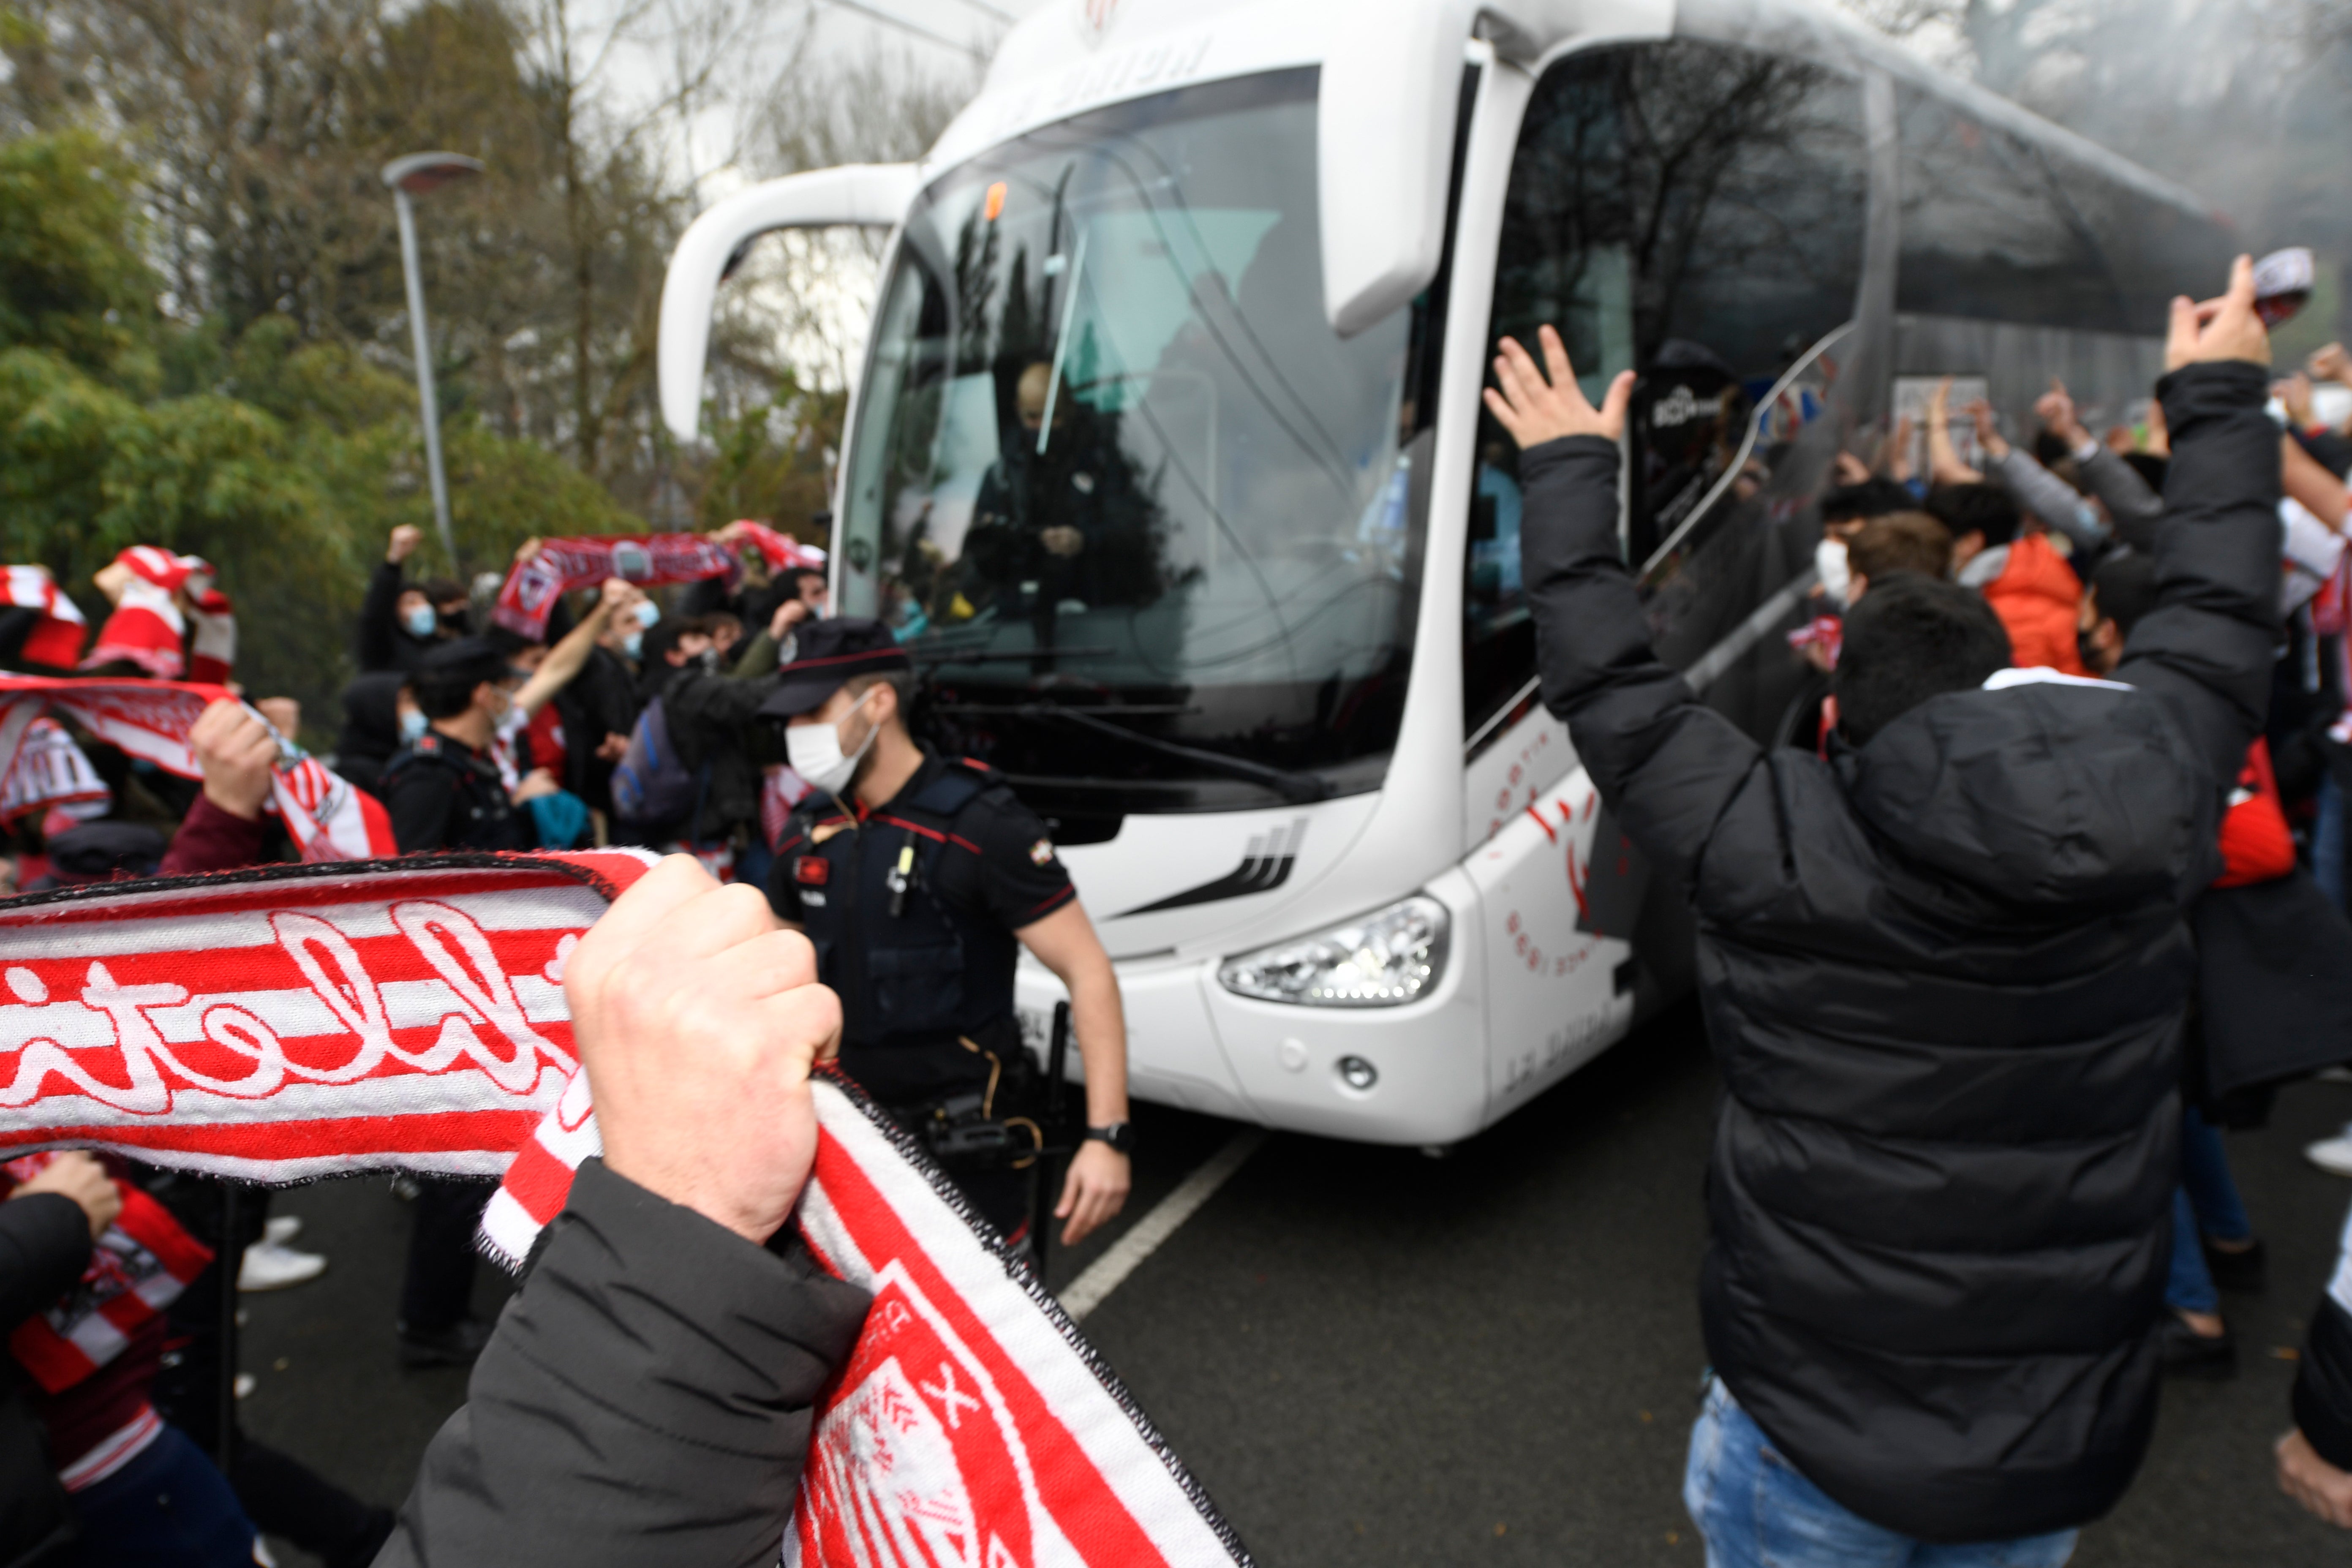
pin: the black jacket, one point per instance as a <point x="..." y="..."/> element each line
<point x="441" y="795"/>
<point x="1944" y="976"/>
<point x="645" y="1400"/>
<point x="379" y="641"/>
<point x="713" y="722"/>
<point x="43" y="1247"/>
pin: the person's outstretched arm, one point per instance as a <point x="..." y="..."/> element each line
<point x="2207" y="647"/>
<point x="1665" y="763"/>
<point x="646" y="1398"/>
<point x="564" y="660"/>
<point x="373" y="635"/>
<point x="2034" y="488"/>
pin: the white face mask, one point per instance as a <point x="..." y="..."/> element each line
<point x="412" y="724"/>
<point x="1829" y="560"/>
<point x="815" y="751"/>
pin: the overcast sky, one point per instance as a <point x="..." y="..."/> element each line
<point x="944" y="38"/>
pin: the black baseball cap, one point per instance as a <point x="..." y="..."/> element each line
<point x="469" y="659"/>
<point x="829" y="653"/>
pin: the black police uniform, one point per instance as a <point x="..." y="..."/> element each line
<point x="911" y="907"/>
<point x="442" y="794"/>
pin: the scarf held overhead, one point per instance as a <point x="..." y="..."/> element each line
<point x="327" y="817"/>
<point x="561" y="566"/>
<point x="294" y="1022"/>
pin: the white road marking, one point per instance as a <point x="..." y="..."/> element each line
<point x="1106" y="1273"/>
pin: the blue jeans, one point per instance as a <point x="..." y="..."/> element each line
<point x="1756" y="1511"/>
<point x="169" y="1507"/>
<point x="2327" y="841"/>
<point x="2206" y="1203"/>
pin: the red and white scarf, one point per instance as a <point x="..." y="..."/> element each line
<point x="137" y="1269"/>
<point x="55" y="638"/>
<point x="288" y="1022"/>
<point x="51" y="773"/>
<point x="562" y="564"/>
<point x="147" y="628"/>
<point x="782" y="550"/>
<point x="325" y="815"/>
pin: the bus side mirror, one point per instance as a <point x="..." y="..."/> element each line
<point x="714" y="244"/>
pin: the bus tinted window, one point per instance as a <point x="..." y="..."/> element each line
<point x="1148" y="526"/>
<point x="1694" y="211"/>
<point x="2000" y="229"/>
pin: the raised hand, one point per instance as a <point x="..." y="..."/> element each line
<point x="238" y="755"/>
<point x="2056" y="409"/>
<point x="1535" y="407"/>
<point x="80" y="1177"/>
<point x="697" y="1018"/>
<point x="403" y="542"/>
<point x="2210" y="331"/>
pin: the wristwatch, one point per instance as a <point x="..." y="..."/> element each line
<point x="1119" y="1135"/>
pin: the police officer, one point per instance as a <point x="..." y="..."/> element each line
<point x="914" y="876"/>
<point x="443" y="791"/>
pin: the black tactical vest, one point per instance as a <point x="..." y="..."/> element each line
<point x="915" y="973"/>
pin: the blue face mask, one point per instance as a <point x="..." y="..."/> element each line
<point x="420" y="621"/>
<point x="411" y="725"/>
<point x="648" y="612"/>
<point x="633" y="645"/>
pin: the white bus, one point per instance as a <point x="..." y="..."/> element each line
<point x="1168" y="461"/>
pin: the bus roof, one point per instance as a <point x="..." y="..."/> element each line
<point x="1390" y="87"/>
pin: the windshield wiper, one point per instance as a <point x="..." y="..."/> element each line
<point x="1289" y="785"/>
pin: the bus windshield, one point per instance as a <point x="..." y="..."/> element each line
<point x="1141" y="517"/>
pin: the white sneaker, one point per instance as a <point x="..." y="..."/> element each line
<point x="281" y="1230"/>
<point x="2333" y="1155"/>
<point x="270" y="1267"/>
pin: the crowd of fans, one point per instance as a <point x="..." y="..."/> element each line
<point x="623" y="724"/>
<point x="628" y="721"/>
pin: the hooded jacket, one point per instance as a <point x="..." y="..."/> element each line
<point x="1944" y="976"/>
<point x="2037" y="596"/>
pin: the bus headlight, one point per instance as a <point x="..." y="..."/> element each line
<point x="1385" y="959"/>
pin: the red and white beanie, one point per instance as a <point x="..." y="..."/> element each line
<point x="146" y="627"/>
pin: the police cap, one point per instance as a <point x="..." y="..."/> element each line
<point x="829" y="653"/>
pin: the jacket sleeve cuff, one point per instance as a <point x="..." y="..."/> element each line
<point x="211" y="839"/>
<point x="710" y="1333"/>
<point x="44" y="1243"/>
<point x="1540" y="458"/>
<point x="2219" y="387"/>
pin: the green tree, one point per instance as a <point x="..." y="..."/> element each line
<point x="282" y="461"/>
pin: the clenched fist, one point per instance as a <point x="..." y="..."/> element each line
<point x="80" y="1177"/>
<point x="697" y="1018"/>
<point x="238" y="757"/>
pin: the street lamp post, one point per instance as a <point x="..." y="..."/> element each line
<point x="413" y="176"/>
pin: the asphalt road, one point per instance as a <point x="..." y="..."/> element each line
<point x="1371" y="1357"/>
